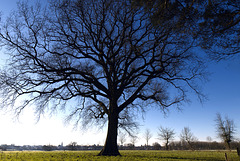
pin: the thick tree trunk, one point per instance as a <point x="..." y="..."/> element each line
<point x="190" y="145"/>
<point x="166" y="145"/>
<point x="110" y="148"/>
<point x="227" y="144"/>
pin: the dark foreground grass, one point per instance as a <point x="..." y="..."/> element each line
<point x="126" y="156"/>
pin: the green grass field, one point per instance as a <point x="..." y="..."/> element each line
<point x="126" y="156"/>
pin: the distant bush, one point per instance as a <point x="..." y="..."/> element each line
<point x="156" y="146"/>
<point x="48" y="147"/>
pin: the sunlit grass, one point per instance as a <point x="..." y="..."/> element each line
<point x="126" y="156"/>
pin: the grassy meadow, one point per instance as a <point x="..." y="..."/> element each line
<point x="126" y="156"/>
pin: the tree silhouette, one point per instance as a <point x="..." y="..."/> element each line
<point x="147" y="136"/>
<point x="187" y="136"/>
<point x="133" y="140"/>
<point x="122" y="138"/>
<point x="225" y="130"/>
<point x="166" y="134"/>
<point x="102" y="60"/>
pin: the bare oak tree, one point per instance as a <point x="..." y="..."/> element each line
<point x="225" y="130"/>
<point x="188" y="137"/>
<point x="166" y="134"/>
<point x="133" y="140"/>
<point x="100" y="60"/>
<point x="147" y="136"/>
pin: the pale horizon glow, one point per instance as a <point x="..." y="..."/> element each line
<point x="47" y="131"/>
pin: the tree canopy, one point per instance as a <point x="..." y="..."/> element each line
<point x="215" y="24"/>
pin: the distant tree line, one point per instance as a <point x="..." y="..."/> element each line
<point x="73" y="146"/>
<point x="202" y="145"/>
<point x="181" y="145"/>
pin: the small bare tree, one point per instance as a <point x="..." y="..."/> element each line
<point x="147" y="136"/>
<point x="187" y="136"/>
<point x="122" y="138"/>
<point x="209" y="139"/>
<point x="166" y="134"/>
<point x="133" y="139"/>
<point x="225" y="130"/>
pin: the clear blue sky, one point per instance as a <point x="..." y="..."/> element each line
<point x="222" y="89"/>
